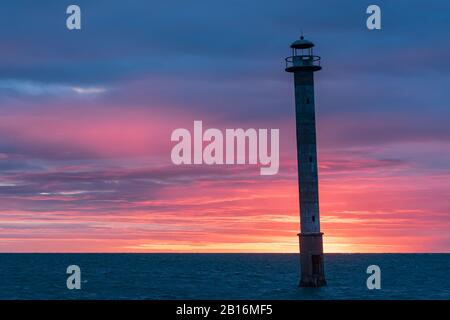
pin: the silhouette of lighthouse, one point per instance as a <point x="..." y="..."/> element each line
<point x="303" y="63"/>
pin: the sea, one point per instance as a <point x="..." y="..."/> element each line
<point x="220" y="276"/>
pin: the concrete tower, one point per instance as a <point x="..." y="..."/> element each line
<point x="303" y="63"/>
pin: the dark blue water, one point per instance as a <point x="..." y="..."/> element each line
<point x="220" y="276"/>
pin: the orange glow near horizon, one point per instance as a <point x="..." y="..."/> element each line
<point x="260" y="218"/>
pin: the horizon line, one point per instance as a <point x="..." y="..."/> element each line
<point x="168" y="252"/>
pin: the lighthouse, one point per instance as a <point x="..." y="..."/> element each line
<point x="303" y="63"/>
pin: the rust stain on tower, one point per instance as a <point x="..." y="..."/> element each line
<point x="303" y="63"/>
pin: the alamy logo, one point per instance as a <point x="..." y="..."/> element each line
<point x="374" y="280"/>
<point x="74" y="280"/>
<point x="236" y="141"/>
<point x="374" y="20"/>
<point x="73" y="21"/>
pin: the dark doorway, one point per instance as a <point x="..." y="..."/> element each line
<point x="317" y="264"/>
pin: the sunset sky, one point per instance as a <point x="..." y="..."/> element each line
<point x="86" y="118"/>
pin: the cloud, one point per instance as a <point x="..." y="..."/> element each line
<point x="88" y="90"/>
<point x="32" y="88"/>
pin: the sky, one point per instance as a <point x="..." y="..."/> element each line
<point x="86" y="118"/>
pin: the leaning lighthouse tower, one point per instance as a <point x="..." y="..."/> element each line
<point x="303" y="63"/>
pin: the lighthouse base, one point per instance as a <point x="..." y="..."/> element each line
<point x="311" y="260"/>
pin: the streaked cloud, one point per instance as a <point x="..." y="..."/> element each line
<point x="88" y="90"/>
<point x="24" y="87"/>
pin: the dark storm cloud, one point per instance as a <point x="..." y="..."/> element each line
<point x="213" y="38"/>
